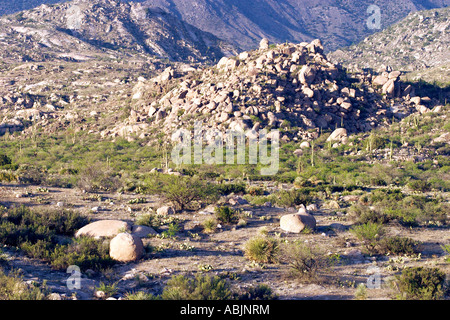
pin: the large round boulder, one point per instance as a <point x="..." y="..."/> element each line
<point x="297" y="222"/>
<point x="126" y="247"/>
<point x="103" y="229"/>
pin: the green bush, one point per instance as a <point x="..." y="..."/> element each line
<point x="38" y="233"/>
<point x="202" y="287"/>
<point x="362" y="214"/>
<point x="255" y="191"/>
<point x="228" y="188"/>
<point x="209" y="225"/>
<point x="293" y="197"/>
<point x="22" y="224"/>
<point x="149" y="220"/>
<point x="226" y="215"/>
<point x="369" y="233"/>
<point x="140" y="296"/>
<point x="262" y="249"/>
<point x="398" y="246"/>
<point x="5" y="160"/>
<point x="419" y="185"/>
<point x="95" y="177"/>
<point x="86" y="253"/>
<point x="446" y="248"/>
<point x="259" y="292"/>
<point x="183" y="192"/>
<point x="418" y="283"/>
<point x="306" y="262"/>
<point x="7" y="176"/>
<point x="12" y="287"/>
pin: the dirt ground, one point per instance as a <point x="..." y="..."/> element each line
<point x="222" y="252"/>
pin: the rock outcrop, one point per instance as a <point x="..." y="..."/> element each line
<point x="290" y="87"/>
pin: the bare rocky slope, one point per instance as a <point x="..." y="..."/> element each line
<point x="417" y="45"/>
<point x="99" y="26"/>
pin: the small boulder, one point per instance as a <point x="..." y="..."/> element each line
<point x="264" y="44"/>
<point x="305" y="145"/>
<point x="296" y="223"/>
<point x="298" y="153"/>
<point x="143" y="231"/>
<point x="445" y="137"/>
<point x="389" y="87"/>
<point x="338" y="135"/>
<point x="126" y="247"/>
<point x="380" y="81"/>
<point x="166" y="210"/>
<point x="307" y="75"/>
<point x="416" y="100"/>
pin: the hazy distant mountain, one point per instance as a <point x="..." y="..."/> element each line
<point x="336" y="22"/>
<point x="418" y="44"/>
<point x="101" y="25"/>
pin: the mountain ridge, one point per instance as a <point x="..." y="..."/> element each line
<point x="336" y="23"/>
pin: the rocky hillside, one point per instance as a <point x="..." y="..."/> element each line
<point x="336" y="23"/>
<point x="97" y="26"/>
<point x="8" y="7"/>
<point x="418" y="44"/>
<point x="291" y="87"/>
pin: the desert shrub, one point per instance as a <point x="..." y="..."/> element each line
<point x="262" y="249"/>
<point x="255" y="191"/>
<point x="7" y="176"/>
<point x="22" y="224"/>
<point x="446" y="248"/>
<point x="109" y="289"/>
<point x="228" y="188"/>
<point x="12" y="287"/>
<point x="181" y="191"/>
<point x="86" y="253"/>
<point x="259" y="292"/>
<point x="369" y="233"/>
<point x="408" y="210"/>
<point x="419" y="185"/>
<point x="37" y="234"/>
<point x="95" y="177"/>
<point x="149" y="220"/>
<point x="60" y="221"/>
<point x="398" y="245"/>
<point x="140" y="296"/>
<point x="202" y="287"/>
<point x="293" y="197"/>
<point x="172" y="230"/>
<point x="361" y="292"/>
<point x="4" y="160"/>
<point x="362" y="214"/>
<point x="419" y="283"/>
<point x="306" y="262"/>
<point x="31" y="175"/>
<point x="209" y="225"/>
<point x="386" y="195"/>
<point x="226" y="215"/>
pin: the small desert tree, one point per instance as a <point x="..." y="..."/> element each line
<point x="182" y="191"/>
